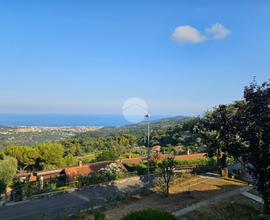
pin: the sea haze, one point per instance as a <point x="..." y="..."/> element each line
<point x="65" y="120"/>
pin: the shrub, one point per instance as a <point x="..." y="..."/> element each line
<point x="109" y="173"/>
<point x="142" y="169"/>
<point x="130" y="167"/>
<point x="166" y="168"/>
<point x="70" y="160"/>
<point x="149" y="214"/>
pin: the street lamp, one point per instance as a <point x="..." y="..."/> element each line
<point x="147" y="117"/>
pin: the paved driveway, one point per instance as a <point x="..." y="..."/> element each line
<point x="54" y="207"/>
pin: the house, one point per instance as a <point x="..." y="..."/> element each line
<point x="86" y="169"/>
<point x="48" y="175"/>
<point x="34" y="176"/>
<point x="22" y="177"/>
<point x="136" y="160"/>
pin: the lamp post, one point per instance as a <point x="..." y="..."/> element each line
<point x="147" y="117"/>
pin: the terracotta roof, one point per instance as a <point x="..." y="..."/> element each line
<point x="156" y="148"/>
<point x="50" y="172"/>
<point x="85" y="169"/>
<point x="132" y="160"/>
<point x="32" y="178"/>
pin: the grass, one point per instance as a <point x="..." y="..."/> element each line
<point x="184" y="192"/>
<point x="235" y="208"/>
<point x="199" y="161"/>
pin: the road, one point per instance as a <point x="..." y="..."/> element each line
<point x="56" y="206"/>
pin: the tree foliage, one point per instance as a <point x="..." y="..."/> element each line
<point x="166" y="168"/>
<point x="254" y="124"/>
<point x="242" y="129"/>
<point x="50" y="154"/>
<point x="218" y="131"/>
<point x="109" y="155"/>
<point x="8" y="168"/>
<point x="25" y="155"/>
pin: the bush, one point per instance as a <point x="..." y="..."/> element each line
<point x="142" y="169"/>
<point x="130" y="167"/>
<point x="149" y="214"/>
<point x="109" y="173"/>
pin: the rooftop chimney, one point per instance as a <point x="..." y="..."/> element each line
<point x="80" y="163"/>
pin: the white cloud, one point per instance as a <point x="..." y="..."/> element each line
<point x="218" y="30"/>
<point x="188" y="34"/>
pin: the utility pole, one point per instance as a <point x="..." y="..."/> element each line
<point x="148" y="146"/>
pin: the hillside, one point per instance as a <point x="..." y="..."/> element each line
<point x="135" y="129"/>
<point x="32" y="135"/>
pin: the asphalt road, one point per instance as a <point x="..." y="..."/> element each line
<point x="59" y="205"/>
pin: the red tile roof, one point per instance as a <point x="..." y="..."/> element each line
<point x="132" y="160"/>
<point x="85" y="169"/>
<point x="156" y="148"/>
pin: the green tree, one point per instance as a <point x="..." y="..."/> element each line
<point x="8" y="169"/>
<point x="25" y="155"/>
<point x="70" y="160"/>
<point x="254" y="124"/>
<point x="166" y="168"/>
<point x="218" y="132"/>
<point x="50" y="154"/>
<point x="107" y="155"/>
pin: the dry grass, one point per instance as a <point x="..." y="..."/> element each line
<point x="183" y="192"/>
<point x="235" y="208"/>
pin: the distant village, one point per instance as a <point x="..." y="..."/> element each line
<point x="39" y="129"/>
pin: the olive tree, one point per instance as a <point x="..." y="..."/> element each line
<point x="166" y="168"/>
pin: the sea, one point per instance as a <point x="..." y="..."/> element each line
<point x="66" y="120"/>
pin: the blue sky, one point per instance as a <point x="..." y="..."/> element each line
<point x="88" y="57"/>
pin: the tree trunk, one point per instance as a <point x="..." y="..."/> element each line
<point x="224" y="165"/>
<point x="167" y="189"/>
<point x="219" y="161"/>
